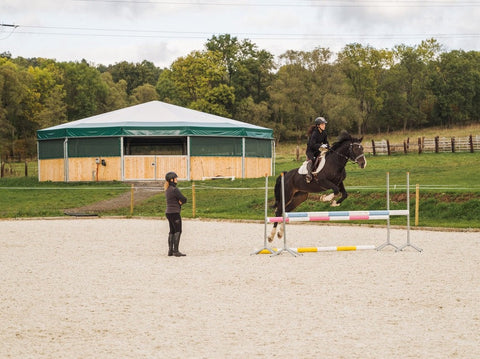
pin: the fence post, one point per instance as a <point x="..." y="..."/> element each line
<point x="437" y="139"/>
<point x="373" y="147"/>
<point x="131" y="200"/>
<point x="26" y="168"/>
<point x="417" y="202"/>
<point x="194" y="201"/>
<point x="419" y="145"/>
<point x="470" y="142"/>
<point x="388" y="147"/>
<point x="404" y="147"/>
<point x="453" y="144"/>
<point x="2" y="170"/>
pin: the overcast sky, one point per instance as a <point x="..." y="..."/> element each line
<point x="110" y="31"/>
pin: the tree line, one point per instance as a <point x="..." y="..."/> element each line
<point x="361" y="89"/>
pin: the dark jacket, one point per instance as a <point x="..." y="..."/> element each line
<point x="314" y="142"/>
<point x="173" y="195"/>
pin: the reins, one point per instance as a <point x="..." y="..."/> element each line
<point x="346" y="157"/>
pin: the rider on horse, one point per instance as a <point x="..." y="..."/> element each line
<point x="317" y="144"/>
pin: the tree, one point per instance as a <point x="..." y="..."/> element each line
<point x="363" y="67"/>
<point x="15" y="98"/>
<point x="306" y="86"/>
<point x="456" y="84"/>
<point x="116" y="94"/>
<point x="85" y="90"/>
<point x="142" y="94"/>
<point x="412" y="79"/>
<point x="50" y="108"/>
<point x="198" y="81"/>
<point x="249" y="70"/>
<point x="134" y="75"/>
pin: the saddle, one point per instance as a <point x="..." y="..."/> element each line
<point x="316" y="167"/>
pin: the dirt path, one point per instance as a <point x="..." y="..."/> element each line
<point x="142" y="192"/>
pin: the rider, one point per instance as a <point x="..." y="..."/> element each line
<point x="317" y="143"/>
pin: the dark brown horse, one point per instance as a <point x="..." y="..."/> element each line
<point x="331" y="177"/>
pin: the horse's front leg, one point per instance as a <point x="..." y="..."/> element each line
<point x="342" y="189"/>
<point x="273" y="232"/>
<point x="329" y="185"/>
<point x="298" y="198"/>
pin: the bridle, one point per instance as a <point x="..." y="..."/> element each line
<point x="350" y="149"/>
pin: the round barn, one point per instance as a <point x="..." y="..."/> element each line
<point x="145" y="141"/>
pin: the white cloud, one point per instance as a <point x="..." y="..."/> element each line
<point x="134" y="31"/>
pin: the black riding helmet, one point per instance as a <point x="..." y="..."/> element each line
<point x="170" y="176"/>
<point x="320" y="120"/>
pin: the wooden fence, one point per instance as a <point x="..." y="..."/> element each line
<point x="423" y="144"/>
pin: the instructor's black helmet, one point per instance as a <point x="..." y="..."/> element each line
<point x="170" y="176"/>
<point x="320" y="120"/>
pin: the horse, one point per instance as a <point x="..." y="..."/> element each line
<point x="331" y="177"/>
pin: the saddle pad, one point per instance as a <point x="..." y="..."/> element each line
<point x="303" y="168"/>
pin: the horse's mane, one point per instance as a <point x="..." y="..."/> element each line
<point x="344" y="136"/>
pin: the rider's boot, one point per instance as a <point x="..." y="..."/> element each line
<point x="176" y="241"/>
<point x="308" y="178"/>
<point x="170" y="244"/>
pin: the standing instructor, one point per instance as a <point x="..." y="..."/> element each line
<point x="175" y="199"/>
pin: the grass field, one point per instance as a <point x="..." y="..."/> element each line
<point x="449" y="187"/>
<point x="449" y="192"/>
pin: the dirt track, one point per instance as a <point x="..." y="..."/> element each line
<point x="142" y="191"/>
<point x="104" y="288"/>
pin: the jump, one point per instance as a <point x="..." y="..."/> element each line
<point x="330" y="177"/>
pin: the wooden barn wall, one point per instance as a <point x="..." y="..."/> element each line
<point x="154" y="167"/>
<point x="85" y="169"/>
<point x="257" y="167"/>
<point x="210" y="166"/>
<point x="51" y="170"/>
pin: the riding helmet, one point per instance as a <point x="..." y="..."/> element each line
<point x="170" y="176"/>
<point x="320" y="120"/>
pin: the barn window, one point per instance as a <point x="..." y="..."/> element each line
<point x="216" y="146"/>
<point x="50" y="149"/>
<point x="139" y="146"/>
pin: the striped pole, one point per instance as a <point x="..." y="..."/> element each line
<point x="338" y="216"/>
<point x="323" y="249"/>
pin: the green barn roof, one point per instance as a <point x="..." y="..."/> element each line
<point x="154" y="118"/>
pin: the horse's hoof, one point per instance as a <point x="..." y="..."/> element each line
<point x="334" y="204"/>
<point x="270" y="239"/>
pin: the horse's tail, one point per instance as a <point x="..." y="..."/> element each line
<point x="278" y="191"/>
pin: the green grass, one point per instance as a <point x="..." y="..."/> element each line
<point x="449" y="192"/>
<point x="26" y="197"/>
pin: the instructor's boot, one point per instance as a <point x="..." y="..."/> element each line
<point x="176" y="241"/>
<point x="170" y="244"/>
<point x="308" y="178"/>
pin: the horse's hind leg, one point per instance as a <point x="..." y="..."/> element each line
<point x="296" y="201"/>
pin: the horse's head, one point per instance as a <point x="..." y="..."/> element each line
<point x="356" y="152"/>
<point x="351" y="148"/>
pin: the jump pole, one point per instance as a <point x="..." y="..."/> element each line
<point x="284" y="215"/>
<point x="388" y="243"/>
<point x="408" y="244"/>
<point x="323" y="249"/>
<point x="266" y="249"/>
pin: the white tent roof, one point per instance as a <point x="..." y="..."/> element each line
<point x="154" y="118"/>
